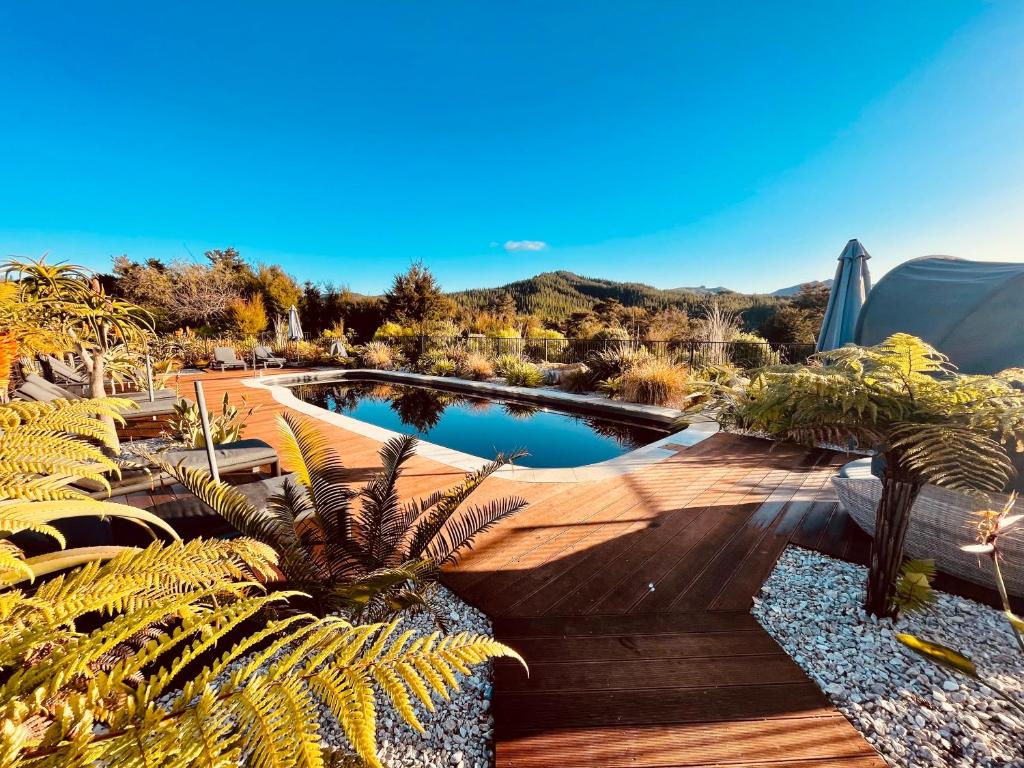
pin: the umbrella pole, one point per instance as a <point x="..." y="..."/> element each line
<point x="149" y="378"/>
<point x="204" y="419"/>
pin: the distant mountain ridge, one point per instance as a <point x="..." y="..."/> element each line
<point x="556" y="295"/>
<point x="793" y="290"/>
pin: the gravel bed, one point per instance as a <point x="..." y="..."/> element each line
<point x="914" y="713"/>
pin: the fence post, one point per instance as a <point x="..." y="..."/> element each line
<point x="690" y="344"/>
<point x="545" y="350"/>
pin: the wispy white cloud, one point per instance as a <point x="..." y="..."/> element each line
<point x="525" y="245"/>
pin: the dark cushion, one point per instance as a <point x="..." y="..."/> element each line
<point x="246" y="453"/>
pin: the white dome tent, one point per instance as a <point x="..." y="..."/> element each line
<point x="972" y="311"/>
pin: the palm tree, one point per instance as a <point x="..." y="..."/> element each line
<point x="903" y="400"/>
<point x="365" y="551"/>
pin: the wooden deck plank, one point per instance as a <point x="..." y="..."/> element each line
<point x="770" y="744"/>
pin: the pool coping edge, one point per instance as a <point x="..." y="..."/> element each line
<point x="279" y="387"/>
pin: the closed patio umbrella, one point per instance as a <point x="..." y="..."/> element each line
<point x="849" y="290"/>
<point x="294" y="327"/>
<point x="294" y="330"/>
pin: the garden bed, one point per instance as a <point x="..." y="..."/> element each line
<point x="912" y="712"/>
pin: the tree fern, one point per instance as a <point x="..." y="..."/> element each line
<point x="902" y="399"/>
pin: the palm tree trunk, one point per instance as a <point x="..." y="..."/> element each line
<point x="891" y="520"/>
<point x="97" y="387"/>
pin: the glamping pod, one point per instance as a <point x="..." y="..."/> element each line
<point x="972" y="311"/>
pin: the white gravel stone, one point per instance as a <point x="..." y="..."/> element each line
<point x="914" y="713"/>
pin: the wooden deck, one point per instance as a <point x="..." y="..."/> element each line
<point x="629" y="599"/>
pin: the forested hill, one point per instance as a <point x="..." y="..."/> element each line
<point x="556" y="295"/>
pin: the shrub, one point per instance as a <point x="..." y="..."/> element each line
<point x="392" y="330"/>
<point x="523" y="374"/>
<point x="611" y="333"/>
<point x="654" y="382"/>
<point x="248" y="317"/>
<point x="96" y="660"/>
<point x="577" y="379"/>
<point x="440" y="361"/>
<point x="505" y="332"/>
<point x="503" y="363"/>
<point x="614" y="361"/>
<point x="748" y="350"/>
<point x="544" y="333"/>
<point x="445" y="367"/>
<point x="227" y="426"/>
<point x="476" y="366"/>
<point x="380" y="355"/>
<point x="902" y="399"/>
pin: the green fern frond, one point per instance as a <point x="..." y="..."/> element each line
<point x="914" y="590"/>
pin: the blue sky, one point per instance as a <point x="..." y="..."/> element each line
<point x="673" y="143"/>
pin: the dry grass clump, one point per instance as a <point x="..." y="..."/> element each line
<point x="476" y="367"/>
<point x="381" y="356"/>
<point x="654" y="382"/>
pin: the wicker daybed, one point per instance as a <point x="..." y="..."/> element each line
<point x="940" y="523"/>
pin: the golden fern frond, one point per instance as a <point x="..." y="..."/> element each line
<point x="346" y="693"/>
<point x="29" y="488"/>
<point x="13" y="567"/>
<point x="301" y="708"/>
<point x="258" y="713"/>
<point x="212" y="733"/>
<point x="914" y="589"/>
<point x="37" y="512"/>
<point x="307" y="451"/>
<point x="10" y="524"/>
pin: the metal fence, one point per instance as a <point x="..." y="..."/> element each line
<point x="744" y="354"/>
<point x="192" y="350"/>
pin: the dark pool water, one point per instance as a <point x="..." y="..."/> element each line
<point x="482" y="426"/>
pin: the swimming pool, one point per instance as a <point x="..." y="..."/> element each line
<point x="482" y="426"/>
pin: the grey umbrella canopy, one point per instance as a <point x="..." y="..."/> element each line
<point x="294" y="327"/>
<point x="850" y="288"/>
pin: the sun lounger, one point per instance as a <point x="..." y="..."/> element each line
<point x="225" y="358"/>
<point x="940" y="523"/>
<point x="238" y="456"/>
<point x="74" y="381"/>
<point x="268" y="358"/>
<point x="62" y="372"/>
<point x="40" y="390"/>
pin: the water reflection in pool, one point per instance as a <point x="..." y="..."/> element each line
<point x="482" y="426"/>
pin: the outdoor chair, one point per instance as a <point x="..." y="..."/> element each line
<point x="225" y="358"/>
<point x="338" y="350"/>
<point x="941" y="522"/>
<point x="62" y="372"/>
<point x="264" y="355"/>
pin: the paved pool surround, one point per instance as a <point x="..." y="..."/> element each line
<point x="279" y="386"/>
